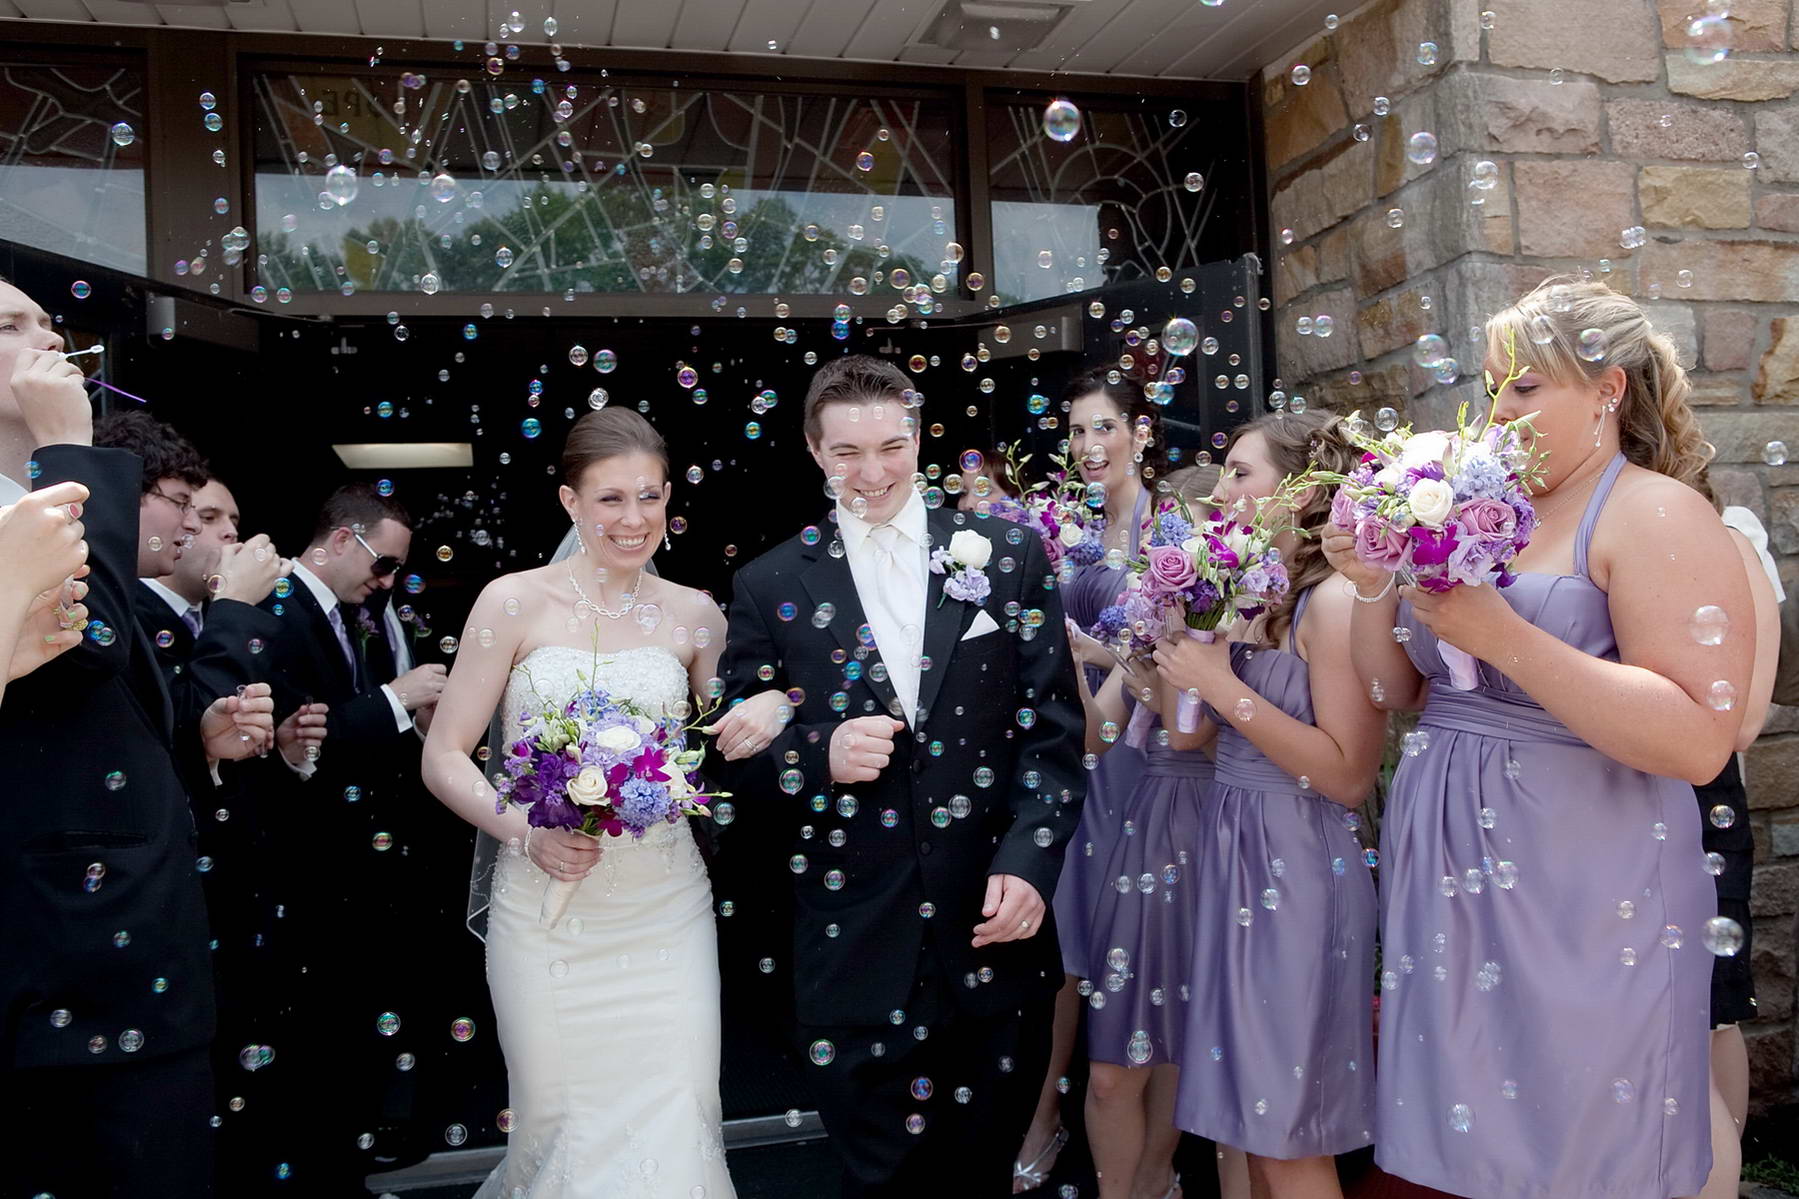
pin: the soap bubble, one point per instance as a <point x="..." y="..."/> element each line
<point x="1721" y="696"/>
<point x="1709" y="625"/>
<point x="1708" y="39"/>
<point x="1429" y="350"/>
<point x="1194" y="181"/>
<point x="1722" y="936"/>
<point x="1386" y="419"/>
<point x="1300" y="75"/>
<point x="1633" y="237"/>
<point x="1421" y="148"/>
<point x="1775" y="453"/>
<point x="1427" y="54"/>
<point x="341" y="184"/>
<point x="1061" y="121"/>
<point x="1591" y="345"/>
<point x="1180" y="336"/>
<point x="123" y="134"/>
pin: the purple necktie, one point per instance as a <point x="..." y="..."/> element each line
<point x="191" y="618"/>
<point x="336" y="617"/>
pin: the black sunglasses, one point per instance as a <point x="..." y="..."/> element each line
<point x="384" y="564"/>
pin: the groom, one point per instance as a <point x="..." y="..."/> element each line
<point x="923" y="794"/>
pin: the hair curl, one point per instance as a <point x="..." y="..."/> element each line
<point x="166" y="454"/>
<point x="1657" y="429"/>
<point x="1297" y="441"/>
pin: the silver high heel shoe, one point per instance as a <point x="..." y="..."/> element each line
<point x="1033" y="1173"/>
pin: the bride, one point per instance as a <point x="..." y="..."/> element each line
<point x="609" y="1020"/>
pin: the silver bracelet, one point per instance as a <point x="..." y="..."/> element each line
<point x="1373" y="599"/>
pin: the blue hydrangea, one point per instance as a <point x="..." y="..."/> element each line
<point x="1172" y="529"/>
<point x="1109" y="623"/>
<point x="1481" y="478"/>
<point x="640" y="803"/>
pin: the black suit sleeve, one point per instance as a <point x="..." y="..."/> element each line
<point x="114" y="479"/>
<point x="1052" y="747"/>
<point x="748" y="646"/>
<point x="365" y="719"/>
<point x="222" y="660"/>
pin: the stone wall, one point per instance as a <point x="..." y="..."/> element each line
<point x="1595" y="117"/>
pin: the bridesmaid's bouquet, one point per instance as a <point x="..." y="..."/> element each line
<point x="1442" y="508"/>
<point x="601" y="766"/>
<point x="1068" y="515"/>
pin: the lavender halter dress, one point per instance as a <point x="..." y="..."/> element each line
<point x="1141" y="936"/>
<point x="1094" y="588"/>
<point x="1278" y="1054"/>
<point x="1544" y="1032"/>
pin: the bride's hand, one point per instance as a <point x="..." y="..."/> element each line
<point x="562" y="855"/>
<point x="748" y="728"/>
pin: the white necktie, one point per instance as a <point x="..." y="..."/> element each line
<point x="901" y="595"/>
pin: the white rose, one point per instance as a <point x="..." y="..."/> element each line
<point x="971" y="549"/>
<point x="1424" y="449"/>
<point x="588" y="787"/>
<point x="1237" y="542"/>
<point x="619" y="739"/>
<point x="1070" y="535"/>
<point x="1387" y="478"/>
<point x="1432" y="500"/>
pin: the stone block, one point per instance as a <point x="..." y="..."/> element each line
<point x="1377" y="49"/>
<point x="1523" y="116"/>
<point x="1339" y="186"/>
<point x="1717" y="392"/>
<point x="1700" y="132"/>
<point x="1303" y="357"/>
<point x="1778" y="211"/>
<point x="1783" y="836"/>
<point x="1680" y="323"/>
<point x="1300" y="119"/>
<point x="1728" y="338"/>
<point x="1301" y="268"/>
<point x="1743" y="489"/>
<point x="1783" y="531"/>
<point x="1395" y="321"/>
<point x="1385" y="385"/>
<point x="1777" y="138"/>
<point x="1771" y="956"/>
<point x="1770" y="1061"/>
<point x="1755" y="25"/>
<point x="1734" y="269"/>
<point x="1777" y="378"/>
<point x="1775" y="890"/>
<point x="1749" y="79"/>
<point x="1572" y="209"/>
<point x="1617" y="40"/>
<point x="1694" y="197"/>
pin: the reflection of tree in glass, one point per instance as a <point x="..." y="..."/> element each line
<point x="613" y="240"/>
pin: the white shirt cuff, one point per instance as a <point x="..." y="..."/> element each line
<point x="305" y="769"/>
<point x="402" y="718"/>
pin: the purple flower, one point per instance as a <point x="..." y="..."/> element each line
<point x="553" y="810"/>
<point x="1431" y="547"/>
<point x="1343" y="509"/>
<point x="968" y="585"/>
<point x="1109" y="622"/>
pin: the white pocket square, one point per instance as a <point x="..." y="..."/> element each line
<point x="980" y="626"/>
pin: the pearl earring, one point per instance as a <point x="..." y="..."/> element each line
<point x="1611" y="405"/>
<point x="668" y="543"/>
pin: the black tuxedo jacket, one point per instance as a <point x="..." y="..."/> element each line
<point x="913" y="869"/>
<point x="65" y="730"/>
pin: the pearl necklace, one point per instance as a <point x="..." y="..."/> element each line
<point x="629" y="597"/>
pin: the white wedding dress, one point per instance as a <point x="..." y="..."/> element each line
<point x="610" y="1021"/>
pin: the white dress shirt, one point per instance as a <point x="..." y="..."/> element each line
<point x="1744" y="521"/>
<point x="11" y="492"/>
<point x="893" y="591"/>
<point x="167" y="595"/>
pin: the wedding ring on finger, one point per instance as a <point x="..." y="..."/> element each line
<point x="1024" y="926"/>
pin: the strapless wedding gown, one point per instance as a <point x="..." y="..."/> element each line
<point x="610" y="1021"/>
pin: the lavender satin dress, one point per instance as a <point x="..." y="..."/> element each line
<point x="1544" y="1026"/>
<point x="1094" y="588"/>
<point x="1141" y="935"/>
<point x="1278" y="1054"/>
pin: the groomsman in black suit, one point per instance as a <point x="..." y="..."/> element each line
<point x="106" y="1005"/>
<point x="343" y="868"/>
<point x="923" y="795"/>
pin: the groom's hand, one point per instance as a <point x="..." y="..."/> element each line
<point x="1013" y="909"/>
<point x="861" y="748"/>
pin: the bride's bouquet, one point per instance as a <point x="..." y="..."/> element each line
<point x="1197" y="577"/>
<point x="602" y="766"/>
<point x="1442" y="508"/>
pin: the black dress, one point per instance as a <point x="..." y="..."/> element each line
<point x="1733" y="982"/>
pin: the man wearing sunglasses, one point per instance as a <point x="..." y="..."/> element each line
<point x="343" y="864"/>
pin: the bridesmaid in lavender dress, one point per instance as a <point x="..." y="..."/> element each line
<point x="1276" y="1054"/>
<point x="1115" y="442"/>
<point x="1545" y="933"/>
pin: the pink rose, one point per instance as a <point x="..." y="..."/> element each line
<point x="1343" y="509"/>
<point x="1488" y="519"/>
<point x="1170" y="570"/>
<point x="1380" y="544"/>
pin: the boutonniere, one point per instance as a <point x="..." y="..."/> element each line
<point x="365" y="627"/>
<point x="968" y="554"/>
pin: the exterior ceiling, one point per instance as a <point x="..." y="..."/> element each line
<point x="1173" y="39"/>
